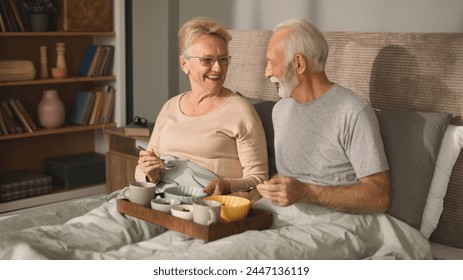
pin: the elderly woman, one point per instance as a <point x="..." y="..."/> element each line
<point x="209" y="125"/>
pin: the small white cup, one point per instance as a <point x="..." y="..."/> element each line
<point x="206" y="212"/>
<point x="140" y="193"/>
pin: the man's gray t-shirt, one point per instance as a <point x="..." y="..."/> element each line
<point x="332" y="140"/>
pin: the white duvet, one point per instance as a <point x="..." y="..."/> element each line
<point x="93" y="229"/>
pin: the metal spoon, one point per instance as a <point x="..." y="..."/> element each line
<point x="165" y="165"/>
<point x="247" y="190"/>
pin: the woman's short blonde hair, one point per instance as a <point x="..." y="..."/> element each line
<point x="197" y="27"/>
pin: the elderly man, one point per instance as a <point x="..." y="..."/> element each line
<point x="328" y="147"/>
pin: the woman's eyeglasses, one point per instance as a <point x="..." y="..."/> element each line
<point x="210" y="61"/>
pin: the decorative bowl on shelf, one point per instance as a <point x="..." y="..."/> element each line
<point x="58" y="73"/>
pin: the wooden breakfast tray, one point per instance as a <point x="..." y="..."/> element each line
<point x="257" y="219"/>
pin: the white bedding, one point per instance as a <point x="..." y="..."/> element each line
<point x="93" y="229"/>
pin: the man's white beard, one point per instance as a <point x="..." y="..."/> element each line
<point x="286" y="87"/>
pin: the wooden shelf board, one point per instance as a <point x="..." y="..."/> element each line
<point x="58" y="81"/>
<point x="56" y="33"/>
<point x="53" y="131"/>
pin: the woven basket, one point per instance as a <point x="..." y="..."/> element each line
<point x="16" y="70"/>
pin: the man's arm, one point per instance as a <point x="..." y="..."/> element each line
<point x="371" y="194"/>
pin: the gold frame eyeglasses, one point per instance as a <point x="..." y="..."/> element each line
<point x="210" y="61"/>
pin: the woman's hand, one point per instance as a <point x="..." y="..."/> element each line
<point x="217" y="187"/>
<point x="150" y="164"/>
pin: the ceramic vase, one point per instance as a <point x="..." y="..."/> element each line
<point x="51" y="110"/>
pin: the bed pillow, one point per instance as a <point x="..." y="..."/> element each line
<point x="411" y="142"/>
<point x="452" y="143"/>
<point x="264" y="110"/>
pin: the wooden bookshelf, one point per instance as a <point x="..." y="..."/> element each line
<point x="29" y="150"/>
<point x="54" y="131"/>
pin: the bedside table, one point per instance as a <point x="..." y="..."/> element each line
<point x="121" y="158"/>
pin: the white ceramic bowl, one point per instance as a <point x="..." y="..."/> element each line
<point x="184" y="211"/>
<point x="185" y="194"/>
<point x="164" y="204"/>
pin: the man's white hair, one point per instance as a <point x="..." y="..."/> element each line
<point x="305" y="39"/>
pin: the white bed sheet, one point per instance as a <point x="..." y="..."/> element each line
<point x="93" y="229"/>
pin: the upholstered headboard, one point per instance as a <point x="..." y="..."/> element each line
<point x="414" y="71"/>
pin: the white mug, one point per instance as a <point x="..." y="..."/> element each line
<point x="206" y="212"/>
<point x="140" y="193"/>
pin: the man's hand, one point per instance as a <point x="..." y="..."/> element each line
<point x="282" y="191"/>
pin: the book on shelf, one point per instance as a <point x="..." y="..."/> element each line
<point x="103" y="109"/>
<point x="11" y="117"/>
<point x="108" y="108"/>
<point x="23" y="16"/>
<point x="23" y="183"/>
<point x="17" y="15"/>
<point x="82" y="107"/>
<point x="88" y="108"/>
<point x="5" y="17"/>
<point x="15" y="118"/>
<point x="8" y="14"/>
<point x="137" y="130"/>
<point x="98" y="107"/>
<point x="26" y="115"/>
<point x="26" y="193"/>
<point x="3" y="127"/>
<point x="97" y="61"/>
<point x="8" y="122"/>
<point x="94" y="61"/>
<point x="95" y="106"/>
<point x="87" y="61"/>
<point x="104" y="63"/>
<point x="2" y="23"/>
<point x="108" y="64"/>
<point x="19" y="115"/>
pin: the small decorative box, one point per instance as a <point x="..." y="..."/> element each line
<point x="77" y="170"/>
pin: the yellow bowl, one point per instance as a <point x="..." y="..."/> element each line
<point x="234" y="208"/>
